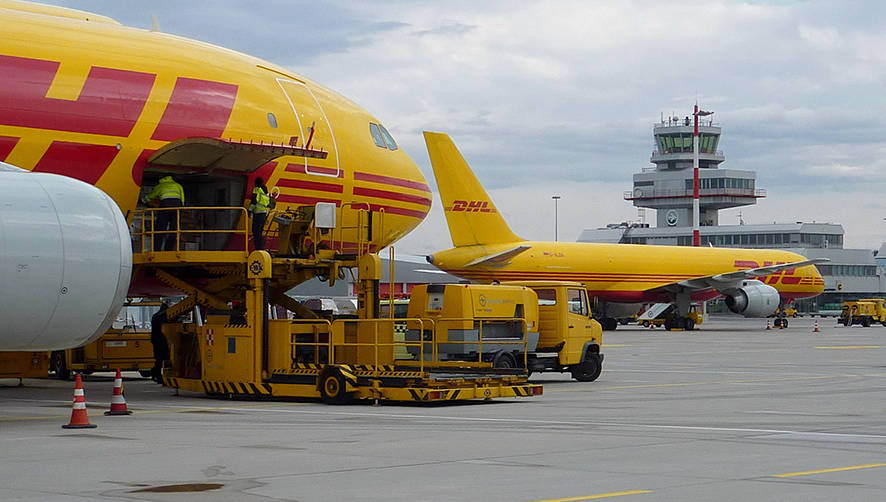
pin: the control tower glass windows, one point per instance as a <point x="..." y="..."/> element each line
<point x="682" y="143"/>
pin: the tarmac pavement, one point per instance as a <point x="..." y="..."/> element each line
<point x="728" y="412"/>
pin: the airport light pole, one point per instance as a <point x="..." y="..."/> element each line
<point x="696" y="232"/>
<point x="556" y="199"/>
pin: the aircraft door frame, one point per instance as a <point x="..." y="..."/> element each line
<point x="295" y="84"/>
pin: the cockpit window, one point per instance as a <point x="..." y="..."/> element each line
<point x="382" y="137"/>
<point x="388" y="139"/>
<point x="376" y="135"/>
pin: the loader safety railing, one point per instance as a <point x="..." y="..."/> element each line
<point x="336" y="342"/>
<point x="181" y="229"/>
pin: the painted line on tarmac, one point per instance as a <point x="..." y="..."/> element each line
<point x="597" y="496"/>
<point x="692" y="384"/>
<point x="822" y="471"/>
<point x="848" y="347"/>
<point x="136" y="410"/>
<point x="527" y="421"/>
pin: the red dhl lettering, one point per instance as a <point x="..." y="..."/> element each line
<point x="196" y="108"/>
<point x="109" y="103"/>
<point x="785" y="276"/>
<point x="473" y="206"/>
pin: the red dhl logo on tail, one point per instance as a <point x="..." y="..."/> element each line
<point x="785" y="276"/>
<point x="471" y="206"/>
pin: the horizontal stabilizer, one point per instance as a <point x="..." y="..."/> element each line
<point x="498" y="258"/>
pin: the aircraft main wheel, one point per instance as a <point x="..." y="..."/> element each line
<point x="58" y="364"/>
<point x="589" y="369"/>
<point x="332" y="388"/>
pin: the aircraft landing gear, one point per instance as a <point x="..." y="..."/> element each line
<point x="684" y="323"/>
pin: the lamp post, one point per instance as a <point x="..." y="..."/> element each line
<point x="556" y="199"/>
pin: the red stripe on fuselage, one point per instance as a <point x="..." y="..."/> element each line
<point x="7" y="143"/>
<point x="400" y="197"/>
<point x="388" y="180"/>
<point x="77" y="160"/>
<point x="309" y="185"/>
<point x="196" y="108"/>
<point x="296" y="199"/>
<point x="301" y="169"/>
<point x="109" y="103"/>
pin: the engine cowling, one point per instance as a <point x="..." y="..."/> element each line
<point x="65" y="261"/>
<point x="753" y="299"/>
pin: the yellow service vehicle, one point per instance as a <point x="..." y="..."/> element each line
<point x="864" y="311"/>
<point x="24" y="364"/>
<point x="236" y="343"/>
<point x="493" y="323"/>
<point x="125" y="346"/>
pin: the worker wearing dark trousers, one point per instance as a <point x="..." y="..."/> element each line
<point x="161" y="345"/>
<point x="258" y="209"/>
<point x="170" y="194"/>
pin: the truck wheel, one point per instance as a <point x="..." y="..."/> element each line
<point x="589" y="369"/>
<point x="332" y="388"/>
<point x="504" y="360"/>
<point x="58" y="365"/>
<point x="866" y="322"/>
<point x="690" y="324"/>
<point x="145" y="373"/>
<point x="645" y="324"/>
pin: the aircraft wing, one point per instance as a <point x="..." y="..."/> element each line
<point x="499" y="258"/>
<point x="721" y="281"/>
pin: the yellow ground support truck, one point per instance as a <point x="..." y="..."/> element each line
<point x="865" y="312"/>
<point x="492" y="323"/>
<point x="125" y="346"/>
<point x="24" y="364"/>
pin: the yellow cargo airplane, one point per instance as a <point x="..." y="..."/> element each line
<point x="754" y="281"/>
<point x="117" y="107"/>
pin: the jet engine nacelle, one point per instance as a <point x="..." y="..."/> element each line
<point x="753" y="299"/>
<point x="65" y="261"/>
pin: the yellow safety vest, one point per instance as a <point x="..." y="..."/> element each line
<point x="167" y="188"/>
<point x="262" y="201"/>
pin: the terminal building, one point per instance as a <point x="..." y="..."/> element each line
<point x="667" y="188"/>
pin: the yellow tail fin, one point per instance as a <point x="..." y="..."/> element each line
<point x="470" y="213"/>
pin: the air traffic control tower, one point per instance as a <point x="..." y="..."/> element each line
<point x="667" y="187"/>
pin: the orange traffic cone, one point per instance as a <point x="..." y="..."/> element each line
<point x="118" y="402"/>
<point x="768" y="327"/>
<point x="815" y="329"/>
<point x="79" y="418"/>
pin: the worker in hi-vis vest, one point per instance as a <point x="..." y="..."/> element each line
<point x="170" y="194"/>
<point x="258" y="209"/>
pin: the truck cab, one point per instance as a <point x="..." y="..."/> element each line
<point x="569" y="339"/>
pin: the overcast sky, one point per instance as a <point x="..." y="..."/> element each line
<point x="549" y="98"/>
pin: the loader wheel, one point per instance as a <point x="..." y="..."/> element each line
<point x="332" y="388"/>
<point x="59" y="366"/>
<point x="589" y="369"/>
<point x="504" y="360"/>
